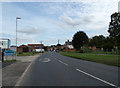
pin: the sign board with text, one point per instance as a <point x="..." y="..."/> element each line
<point x="9" y="52"/>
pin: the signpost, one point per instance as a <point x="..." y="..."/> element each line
<point x="41" y="49"/>
<point x="9" y="53"/>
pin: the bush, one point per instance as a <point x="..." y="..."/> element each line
<point x="20" y="52"/>
<point x="108" y="47"/>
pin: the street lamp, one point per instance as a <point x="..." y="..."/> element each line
<point x="16" y="33"/>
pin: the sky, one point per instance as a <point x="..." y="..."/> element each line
<point x="52" y="21"/>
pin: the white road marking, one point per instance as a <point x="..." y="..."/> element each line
<point x="96" y="78"/>
<point x="46" y="60"/>
<point x="40" y="59"/>
<point x="63" y="62"/>
<point x="20" y="79"/>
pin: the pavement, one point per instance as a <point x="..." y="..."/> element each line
<point x="53" y="69"/>
<point x="11" y="72"/>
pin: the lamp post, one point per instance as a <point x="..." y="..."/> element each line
<point x="16" y="34"/>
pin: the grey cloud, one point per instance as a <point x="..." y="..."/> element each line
<point x="31" y="31"/>
<point x="67" y="21"/>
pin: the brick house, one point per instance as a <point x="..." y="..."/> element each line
<point x="34" y="47"/>
<point x="22" y="48"/>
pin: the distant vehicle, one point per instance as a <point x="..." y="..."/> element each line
<point x="39" y="50"/>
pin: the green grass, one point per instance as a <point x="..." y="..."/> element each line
<point x="27" y="54"/>
<point x="10" y="60"/>
<point x="102" y="52"/>
<point x="105" y="59"/>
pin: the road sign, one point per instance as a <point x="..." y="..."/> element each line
<point x="40" y="47"/>
<point x="9" y="52"/>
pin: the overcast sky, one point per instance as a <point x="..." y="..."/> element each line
<point x="50" y="21"/>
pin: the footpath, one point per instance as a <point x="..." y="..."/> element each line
<point x="11" y="72"/>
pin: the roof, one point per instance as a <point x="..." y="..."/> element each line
<point x="4" y="39"/>
<point x="12" y="46"/>
<point x="23" y="46"/>
<point x="35" y="45"/>
<point x="68" y="43"/>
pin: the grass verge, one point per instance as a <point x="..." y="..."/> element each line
<point x="27" y="53"/>
<point x="10" y="60"/>
<point x="113" y="60"/>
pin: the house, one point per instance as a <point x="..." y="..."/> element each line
<point x="36" y="47"/>
<point x="22" y="48"/>
<point x="94" y="48"/>
<point x="53" y="48"/>
<point x="4" y="43"/>
<point x="69" y="44"/>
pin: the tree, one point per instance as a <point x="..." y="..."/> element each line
<point x="114" y="27"/>
<point x="79" y="39"/>
<point x="109" y="44"/>
<point x="45" y="48"/>
<point x="97" y="41"/>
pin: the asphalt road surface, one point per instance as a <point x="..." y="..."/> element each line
<point x="53" y="69"/>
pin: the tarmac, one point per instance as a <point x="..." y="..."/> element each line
<point x="12" y="71"/>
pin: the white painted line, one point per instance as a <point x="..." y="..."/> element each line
<point x="63" y="62"/>
<point x="20" y="79"/>
<point x="96" y="78"/>
<point x="40" y="59"/>
<point x="46" y="60"/>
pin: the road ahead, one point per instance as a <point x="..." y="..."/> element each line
<point x="53" y="69"/>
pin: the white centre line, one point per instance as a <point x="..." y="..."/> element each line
<point x="96" y="78"/>
<point x="63" y="62"/>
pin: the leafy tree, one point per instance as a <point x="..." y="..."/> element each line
<point x="80" y="38"/>
<point x="97" y="41"/>
<point x="45" y="48"/>
<point x="59" y="45"/>
<point x="108" y="47"/>
<point x="109" y="44"/>
<point x="114" y="27"/>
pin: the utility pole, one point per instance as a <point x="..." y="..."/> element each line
<point x="58" y="41"/>
<point x="41" y="46"/>
<point x="41" y="42"/>
<point x="16" y="35"/>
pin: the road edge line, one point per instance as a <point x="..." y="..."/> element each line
<point x="23" y="74"/>
<point x="96" y="78"/>
<point x="20" y="79"/>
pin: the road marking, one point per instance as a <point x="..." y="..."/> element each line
<point x="96" y="78"/>
<point x="20" y="79"/>
<point x="40" y="59"/>
<point x="63" y="62"/>
<point x="46" y="60"/>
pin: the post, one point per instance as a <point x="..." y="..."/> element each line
<point x="2" y="56"/>
<point x="16" y="35"/>
<point x="16" y="39"/>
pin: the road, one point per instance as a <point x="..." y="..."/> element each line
<point x="53" y="69"/>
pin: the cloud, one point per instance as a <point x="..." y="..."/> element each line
<point x="31" y="31"/>
<point x="69" y="21"/>
<point x="49" y="20"/>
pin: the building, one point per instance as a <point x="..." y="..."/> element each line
<point x="22" y="48"/>
<point x="92" y="48"/>
<point x="4" y="43"/>
<point x="69" y="45"/>
<point x="36" y="47"/>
